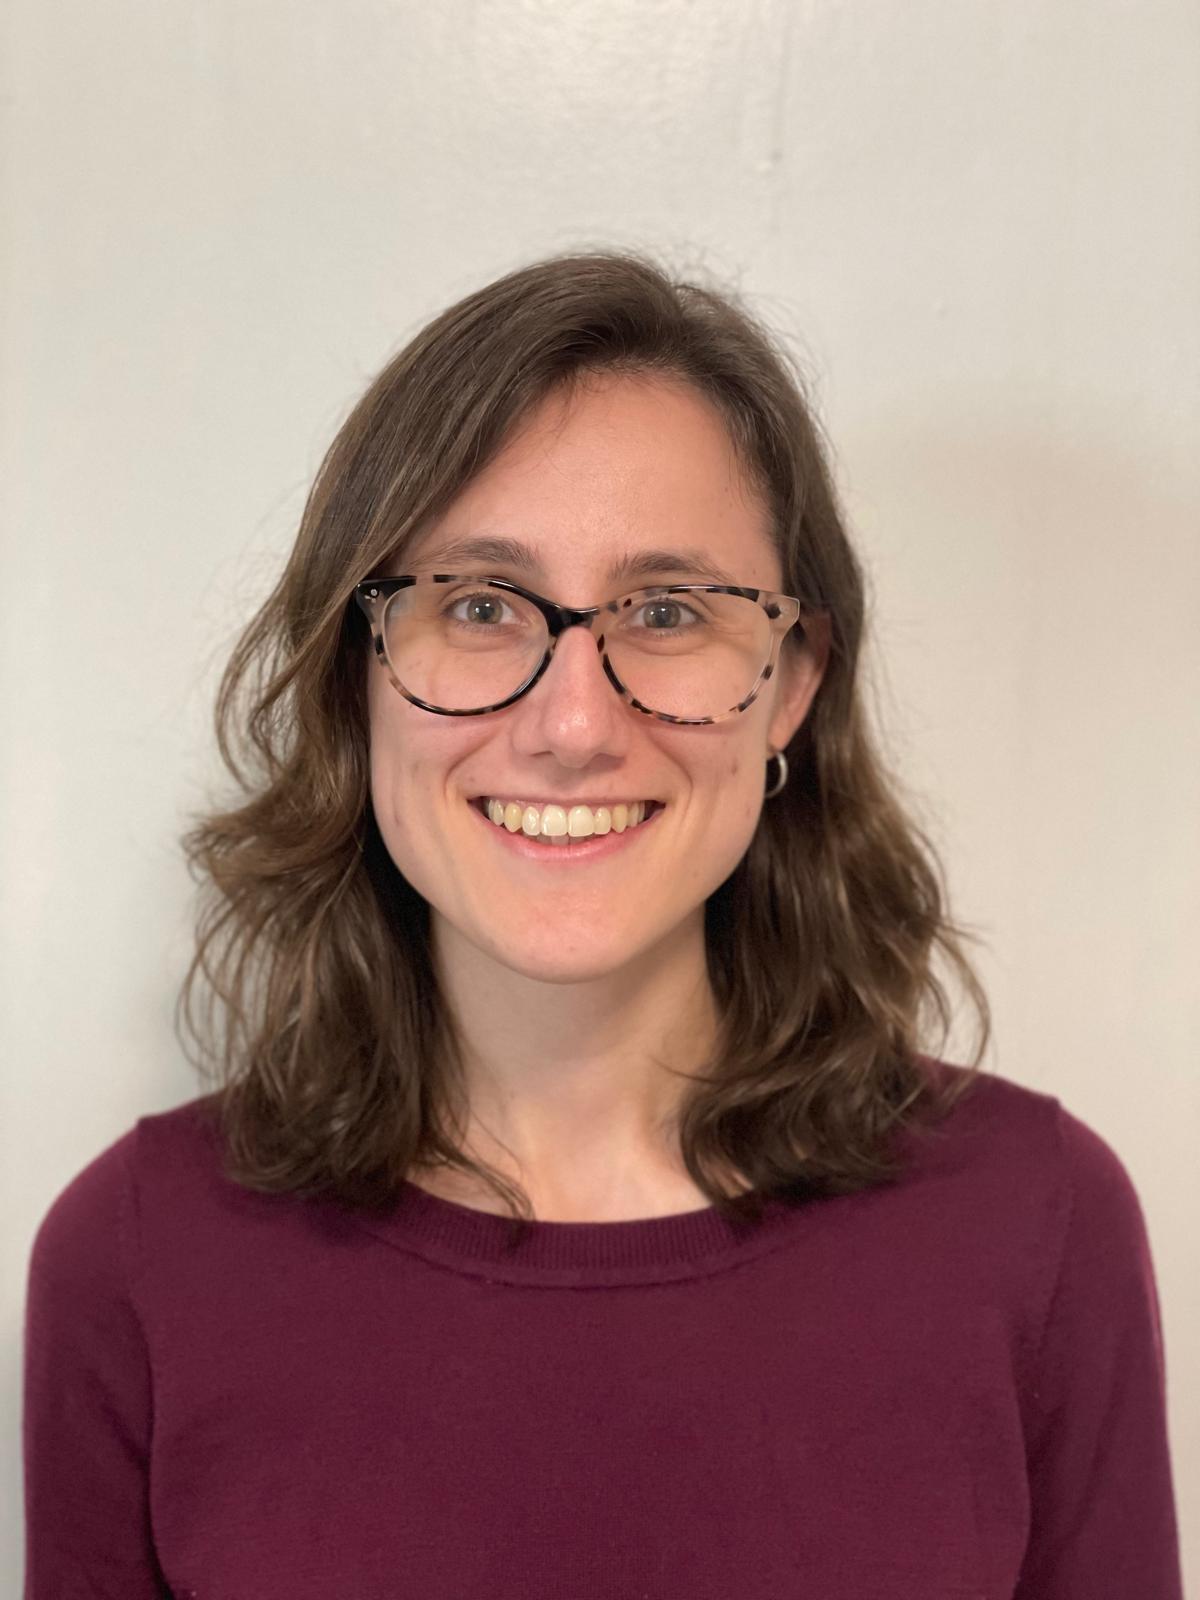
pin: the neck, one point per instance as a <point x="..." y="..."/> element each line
<point x="569" y="1087"/>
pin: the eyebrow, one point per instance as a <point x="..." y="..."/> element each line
<point x="493" y="551"/>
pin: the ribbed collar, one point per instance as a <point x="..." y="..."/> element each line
<point x="574" y="1254"/>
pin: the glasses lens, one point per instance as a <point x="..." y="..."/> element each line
<point x="690" y="654"/>
<point x="462" y="646"/>
<point x="467" y="646"/>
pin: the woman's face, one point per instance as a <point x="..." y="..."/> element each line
<point x="624" y="465"/>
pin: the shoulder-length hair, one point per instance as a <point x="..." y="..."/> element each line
<point x="337" y="1062"/>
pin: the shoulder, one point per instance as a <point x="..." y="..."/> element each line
<point x="91" y="1228"/>
<point x="999" y="1129"/>
<point x="1039" y="1195"/>
<point x="83" y="1237"/>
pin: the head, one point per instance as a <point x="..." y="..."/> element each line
<point x="610" y="471"/>
<point x="587" y="410"/>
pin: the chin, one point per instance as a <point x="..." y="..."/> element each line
<point x="551" y="963"/>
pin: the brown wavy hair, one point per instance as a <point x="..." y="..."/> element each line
<point x="320" y="1018"/>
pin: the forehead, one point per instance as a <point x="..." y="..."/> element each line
<point x="621" y="479"/>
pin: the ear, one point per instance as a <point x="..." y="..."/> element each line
<point x="798" y="675"/>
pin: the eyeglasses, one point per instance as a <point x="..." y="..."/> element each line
<point x="461" y="645"/>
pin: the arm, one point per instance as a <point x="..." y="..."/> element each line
<point x="88" y="1405"/>
<point x="1102" y="1508"/>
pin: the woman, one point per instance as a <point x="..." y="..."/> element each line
<point x="577" y="1211"/>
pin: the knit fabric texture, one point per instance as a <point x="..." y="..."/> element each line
<point x="948" y="1388"/>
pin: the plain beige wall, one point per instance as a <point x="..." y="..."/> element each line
<point x="978" y="225"/>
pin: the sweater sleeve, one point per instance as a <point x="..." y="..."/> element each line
<point x="1102" y="1509"/>
<point x="87" y="1399"/>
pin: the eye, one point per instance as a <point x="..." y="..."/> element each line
<point x="666" y="613"/>
<point x="484" y="607"/>
<point x="486" y="611"/>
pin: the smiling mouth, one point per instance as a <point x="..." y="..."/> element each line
<point x="561" y="824"/>
<point x="481" y="802"/>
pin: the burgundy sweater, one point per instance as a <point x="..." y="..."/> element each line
<point x="951" y="1388"/>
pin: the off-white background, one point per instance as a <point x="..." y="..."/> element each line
<point x="977" y="223"/>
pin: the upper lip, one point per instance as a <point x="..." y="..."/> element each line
<point x="575" y="800"/>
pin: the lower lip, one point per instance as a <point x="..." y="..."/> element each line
<point x="594" y="848"/>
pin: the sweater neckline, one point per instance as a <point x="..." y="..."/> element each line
<point x="683" y="1244"/>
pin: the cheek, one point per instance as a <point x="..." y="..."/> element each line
<point x="396" y="771"/>
<point x="402" y="816"/>
<point x="746" y="778"/>
<point x="383" y="783"/>
<point x="415" y="762"/>
<point x="735" y="785"/>
<point x="735" y="807"/>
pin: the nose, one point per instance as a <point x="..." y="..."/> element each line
<point x="576" y="668"/>
<point x="573" y="701"/>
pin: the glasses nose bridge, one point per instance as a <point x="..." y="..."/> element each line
<point x="559" y="618"/>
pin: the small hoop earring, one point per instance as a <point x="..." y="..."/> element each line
<point x="783" y="773"/>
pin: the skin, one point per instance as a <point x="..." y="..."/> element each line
<point x="573" y="987"/>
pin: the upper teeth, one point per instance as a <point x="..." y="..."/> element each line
<point x="557" y="822"/>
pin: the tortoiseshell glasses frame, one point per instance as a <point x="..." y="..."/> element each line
<point x="783" y="611"/>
